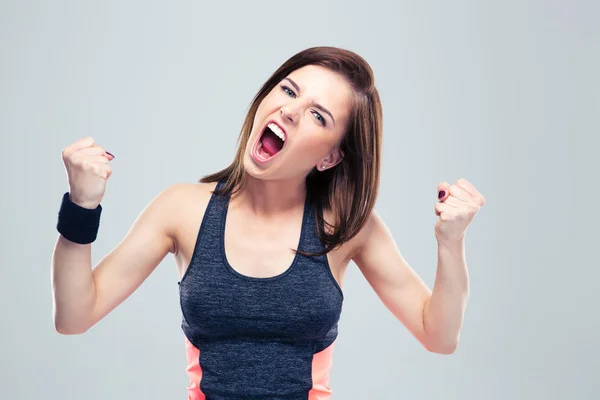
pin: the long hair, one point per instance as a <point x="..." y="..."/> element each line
<point x="350" y="188"/>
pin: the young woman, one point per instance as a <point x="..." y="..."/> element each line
<point x="262" y="246"/>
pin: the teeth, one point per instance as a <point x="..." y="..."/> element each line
<point x="277" y="130"/>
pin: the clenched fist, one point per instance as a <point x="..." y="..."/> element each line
<point x="87" y="169"/>
<point x="456" y="208"/>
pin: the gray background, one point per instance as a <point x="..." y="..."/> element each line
<point x="502" y="93"/>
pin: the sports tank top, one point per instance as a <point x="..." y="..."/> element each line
<point x="258" y="338"/>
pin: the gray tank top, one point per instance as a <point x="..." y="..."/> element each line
<point x="255" y="338"/>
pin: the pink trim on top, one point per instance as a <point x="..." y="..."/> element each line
<point x="194" y="371"/>
<point x="320" y="373"/>
<point x="321" y="366"/>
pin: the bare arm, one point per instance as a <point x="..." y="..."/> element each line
<point x="445" y="310"/>
<point x="433" y="317"/>
<point x="83" y="295"/>
<point x="398" y="286"/>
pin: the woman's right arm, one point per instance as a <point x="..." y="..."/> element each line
<point x="83" y="295"/>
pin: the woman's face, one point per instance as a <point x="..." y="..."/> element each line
<point x="299" y="125"/>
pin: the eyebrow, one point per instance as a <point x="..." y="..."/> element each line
<point x="320" y="107"/>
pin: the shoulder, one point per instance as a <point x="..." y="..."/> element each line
<point x="351" y="249"/>
<point x="180" y="195"/>
<point x="178" y="203"/>
<point x="371" y="230"/>
<point x="183" y="196"/>
<point x="190" y="191"/>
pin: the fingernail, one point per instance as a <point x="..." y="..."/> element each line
<point x="110" y="154"/>
<point x="441" y="194"/>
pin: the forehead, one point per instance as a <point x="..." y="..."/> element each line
<point x="324" y="86"/>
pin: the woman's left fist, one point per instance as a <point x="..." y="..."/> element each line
<point x="457" y="205"/>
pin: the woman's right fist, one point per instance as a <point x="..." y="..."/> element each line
<point x="87" y="170"/>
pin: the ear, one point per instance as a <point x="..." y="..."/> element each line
<point x="332" y="159"/>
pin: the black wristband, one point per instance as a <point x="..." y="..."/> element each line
<point x="76" y="223"/>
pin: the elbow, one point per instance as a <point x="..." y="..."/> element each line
<point x="446" y="349"/>
<point x="441" y="347"/>
<point x="63" y="328"/>
<point x="69" y="330"/>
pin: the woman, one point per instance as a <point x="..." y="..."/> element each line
<point x="262" y="246"/>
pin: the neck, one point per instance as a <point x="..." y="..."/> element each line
<point x="273" y="197"/>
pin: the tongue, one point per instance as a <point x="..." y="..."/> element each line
<point x="270" y="143"/>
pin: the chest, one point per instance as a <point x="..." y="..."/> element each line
<point x="301" y="304"/>
<point x="290" y="297"/>
<point x="259" y="249"/>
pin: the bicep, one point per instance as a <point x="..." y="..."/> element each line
<point x="124" y="269"/>
<point x="394" y="281"/>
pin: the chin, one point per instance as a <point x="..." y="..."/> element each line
<point x="251" y="169"/>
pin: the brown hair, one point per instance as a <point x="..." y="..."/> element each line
<point x="350" y="188"/>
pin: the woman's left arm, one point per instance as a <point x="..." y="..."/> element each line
<point x="433" y="317"/>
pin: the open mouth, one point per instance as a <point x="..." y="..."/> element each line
<point x="270" y="143"/>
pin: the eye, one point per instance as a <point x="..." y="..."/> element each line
<point x="288" y="91"/>
<point x="319" y="118"/>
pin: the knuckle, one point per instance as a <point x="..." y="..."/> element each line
<point x="99" y="170"/>
<point x="85" y="164"/>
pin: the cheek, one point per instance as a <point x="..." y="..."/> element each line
<point x="316" y="144"/>
<point x="269" y="102"/>
<point x="265" y="108"/>
<point x="260" y="115"/>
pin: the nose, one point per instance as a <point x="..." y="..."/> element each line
<point x="289" y="113"/>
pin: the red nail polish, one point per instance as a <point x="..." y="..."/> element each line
<point x="441" y="194"/>
<point x="110" y="154"/>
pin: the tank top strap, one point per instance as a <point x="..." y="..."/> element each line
<point x="209" y="234"/>
<point x="310" y="241"/>
<point x="215" y="218"/>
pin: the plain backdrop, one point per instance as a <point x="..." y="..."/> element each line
<point x="502" y="93"/>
